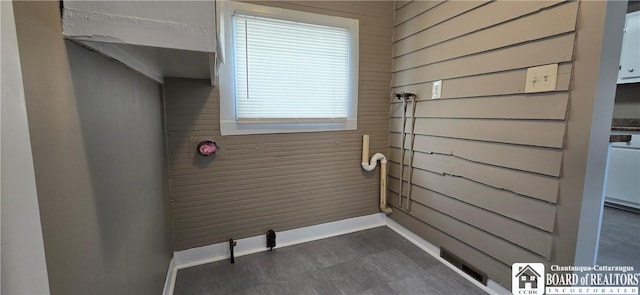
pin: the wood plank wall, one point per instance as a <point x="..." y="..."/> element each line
<point x="278" y="181"/>
<point x="488" y="157"/>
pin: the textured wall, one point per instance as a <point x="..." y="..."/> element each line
<point x="278" y="181"/>
<point x="494" y="179"/>
<point x="97" y="139"/>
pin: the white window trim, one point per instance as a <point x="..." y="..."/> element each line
<point x="229" y="124"/>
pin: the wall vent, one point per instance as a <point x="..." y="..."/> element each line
<point x="464" y="266"/>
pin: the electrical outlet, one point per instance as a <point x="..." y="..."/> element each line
<point x="541" y="79"/>
<point x="436" y="90"/>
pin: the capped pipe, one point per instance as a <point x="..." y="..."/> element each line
<point x="365" y="149"/>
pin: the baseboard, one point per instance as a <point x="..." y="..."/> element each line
<point x="169" y="282"/>
<point x="492" y="287"/>
<point x="220" y="251"/>
<point x="497" y="288"/>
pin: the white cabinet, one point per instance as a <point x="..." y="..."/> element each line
<point x="623" y="176"/>
<point x="629" y="71"/>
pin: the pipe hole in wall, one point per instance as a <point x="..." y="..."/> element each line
<point x="207" y="148"/>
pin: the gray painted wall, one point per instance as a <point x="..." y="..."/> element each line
<point x="24" y="270"/>
<point x="98" y="150"/>
<point x="278" y="181"/>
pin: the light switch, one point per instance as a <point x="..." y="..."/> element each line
<point x="437" y="89"/>
<point x="541" y="79"/>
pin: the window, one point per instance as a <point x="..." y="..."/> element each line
<point x="287" y="71"/>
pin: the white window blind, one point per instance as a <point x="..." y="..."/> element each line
<point x="290" y="72"/>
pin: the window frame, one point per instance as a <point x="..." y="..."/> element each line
<point x="229" y="124"/>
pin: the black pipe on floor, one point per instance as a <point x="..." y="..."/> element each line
<point x="271" y="239"/>
<point x="232" y="244"/>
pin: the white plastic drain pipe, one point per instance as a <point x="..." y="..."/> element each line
<point x="370" y="165"/>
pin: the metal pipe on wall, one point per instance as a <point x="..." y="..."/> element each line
<point x="370" y="165"/>
<point x="402" y="139"/>
<point x="412" y="136"/>
<point x="413" y="100"/>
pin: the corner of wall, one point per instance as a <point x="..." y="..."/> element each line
<point x="589" y="126"/>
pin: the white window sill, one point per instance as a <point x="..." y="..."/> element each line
<point x="235" y="128"/>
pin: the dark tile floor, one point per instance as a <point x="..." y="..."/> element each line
<point x="619" y="238"/>
<point x="375" y="261"/>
